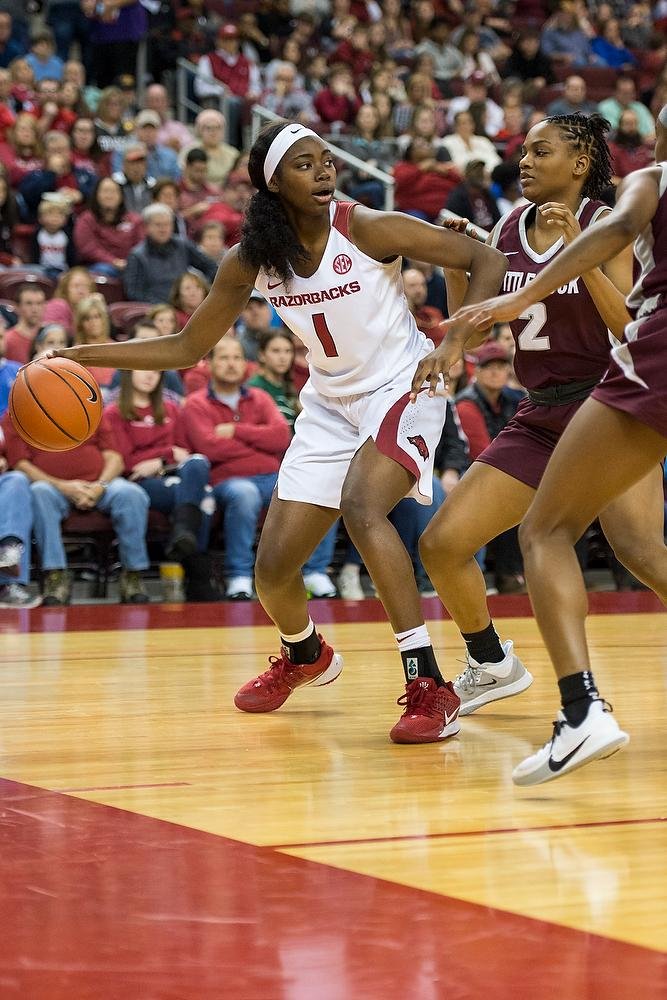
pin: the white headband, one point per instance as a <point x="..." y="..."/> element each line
<point x="282" y="142"/>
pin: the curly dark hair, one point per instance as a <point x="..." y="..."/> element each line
<point x="267" y="239"/>
<point x="586" y="134"/>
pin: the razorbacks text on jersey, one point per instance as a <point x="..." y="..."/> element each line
<point x="563" y="338"/>
<point x="351" y="314"/>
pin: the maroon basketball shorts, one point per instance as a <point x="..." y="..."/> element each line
<point x="636" y="381"/>
<point x="523" y="448"/>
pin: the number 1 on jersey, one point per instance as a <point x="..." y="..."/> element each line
<point x="324" y="335"/>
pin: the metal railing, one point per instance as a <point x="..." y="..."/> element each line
<point x="187" y="108"/>
<point x="260" y="116"/>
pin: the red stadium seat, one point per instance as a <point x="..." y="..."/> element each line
<point x="110" y="288"/>
<point x="21" y="239"/>
<point x="10" y="282"/>
<point x="124" y="314"/>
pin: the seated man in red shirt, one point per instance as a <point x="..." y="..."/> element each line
<point x="427" y="318"/>
<point x="244" y="436"/>
<point x="423" y="183"/>
<point x="30" y="303"/>
<point x="85" y="478"/>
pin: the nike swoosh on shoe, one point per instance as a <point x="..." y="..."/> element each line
<point x="557" y="765"/>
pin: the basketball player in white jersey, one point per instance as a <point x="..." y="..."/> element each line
<point x="332" y="271"/>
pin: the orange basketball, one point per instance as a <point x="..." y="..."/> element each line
<point x="55" y="404"/>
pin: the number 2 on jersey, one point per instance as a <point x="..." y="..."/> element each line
<point x="529" y="338"/>
<point x="324" y="335"/>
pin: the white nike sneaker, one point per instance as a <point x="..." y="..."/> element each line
<point x="570" y="746"/>
<point x="481" y="683"/>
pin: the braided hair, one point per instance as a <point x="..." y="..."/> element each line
<point x="267" y="239"/>
<point x="586" y="134"/>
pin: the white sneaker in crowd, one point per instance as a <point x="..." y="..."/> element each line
<point x="349" y="583"/>
<point x="319" y="585"/>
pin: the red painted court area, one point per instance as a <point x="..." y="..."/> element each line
<point x="102" y="904"/>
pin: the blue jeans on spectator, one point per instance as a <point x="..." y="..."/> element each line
<point x="69" y="23"/>
<point x="107" y="270"/>
<point x="323" y="555"/>
<point x="187" y="485"/>
<point x="16" y="520"/>
<point x="124" y="502"/>
<point x="410" y="519"/>
<point x="241" y="500"/>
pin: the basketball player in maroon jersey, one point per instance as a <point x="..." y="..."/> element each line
<point x="332" y="271"/>
<point x="614" y="443"/>
<point x="562" y="353"/>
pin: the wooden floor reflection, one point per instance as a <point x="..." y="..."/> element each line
<point x="143" y="720"/>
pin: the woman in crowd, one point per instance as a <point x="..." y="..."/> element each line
<point x="365" y="143"/>
<point x="22" y="151"/>
<point x="165" y="319"/>
<point x="105" y="233"/>
<point x="464" y="145"/>
<point x="188" y="292"/>
<point x="51" y="337"/>
<point x="86" y="152"/>
<point x="73" y="286"/>
<point x="112" y="130"/>
<point x="145" y="429"/>
<point x="92" y="325"/>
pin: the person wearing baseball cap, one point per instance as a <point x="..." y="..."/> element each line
<point x="228" y="71"/>
<point x="137" y="183"/>
<point x="161" y="160"/>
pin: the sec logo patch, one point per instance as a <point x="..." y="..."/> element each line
<point x="342" y="263"/>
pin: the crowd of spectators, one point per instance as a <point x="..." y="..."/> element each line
<point x="118" y="214"/>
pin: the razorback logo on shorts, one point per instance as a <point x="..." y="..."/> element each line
<point x="418" y="441"/>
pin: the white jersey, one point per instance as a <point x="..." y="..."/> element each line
<point x="351" y="314"/>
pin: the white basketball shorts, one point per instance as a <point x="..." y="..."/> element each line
<point x="329" y="431"/>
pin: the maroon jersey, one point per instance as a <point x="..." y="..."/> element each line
<point x="637" y="374"/>
<point x="650" y="260"/>
<point x="562" y="339"/>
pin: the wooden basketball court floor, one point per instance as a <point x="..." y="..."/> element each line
<point x="158" y="844"/>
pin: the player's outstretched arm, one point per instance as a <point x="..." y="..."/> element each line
<point x="637" y="202"/>
<point x="228" y="295"/>
<point x="383" y="235"/>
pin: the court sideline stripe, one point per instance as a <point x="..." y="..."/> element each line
<point x="118" y="788"/>
<point x="468" y="833"/>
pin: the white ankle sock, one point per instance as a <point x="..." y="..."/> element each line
<point x="309" y="629"/>
<point x="415" y="638"/>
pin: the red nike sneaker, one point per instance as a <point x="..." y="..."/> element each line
<point x="271" y="689"/>
<point x="431" y="712"/>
